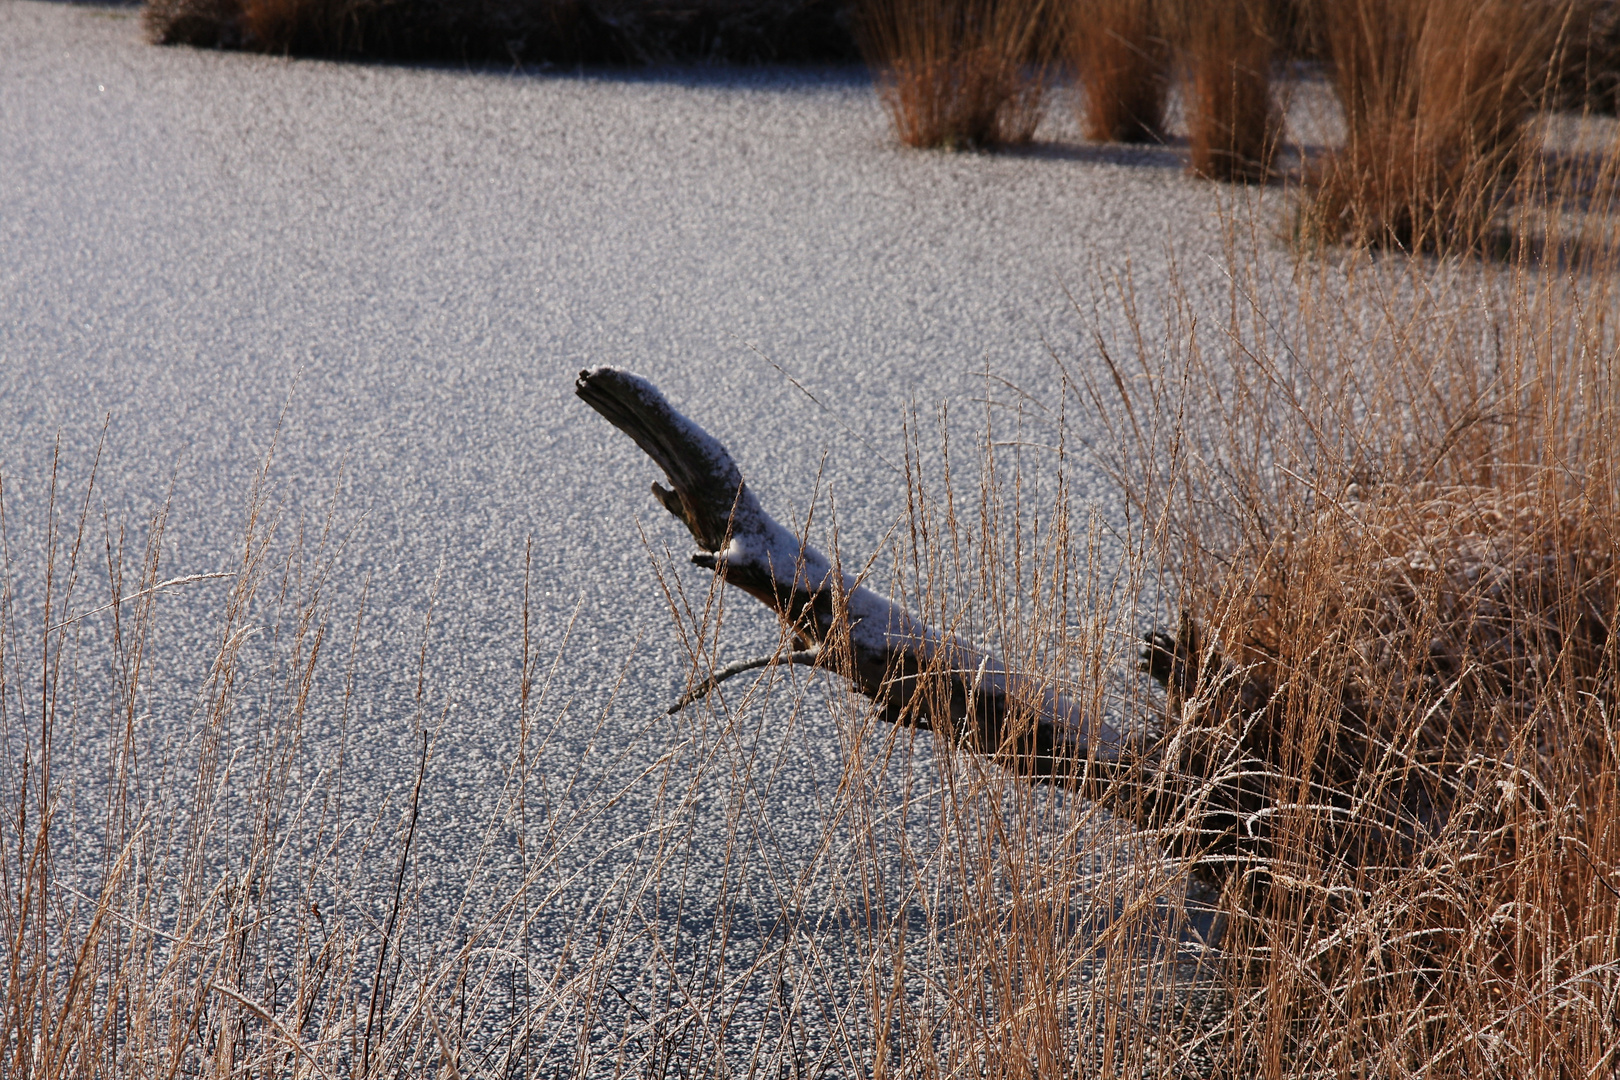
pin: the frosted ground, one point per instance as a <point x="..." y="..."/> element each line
<point x="404" y="267"/>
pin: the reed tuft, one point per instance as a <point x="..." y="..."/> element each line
<point x="959" y="74"/>
<point x="1437" y="98"/>
<point x="1121" y="62"/>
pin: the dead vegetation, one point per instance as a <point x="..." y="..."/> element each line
<point x="1436" y="97"/>
<point x="1121" y="63"/>
<point x="960" y="74"/>
<point x="1382" y="498"/>
<point x="1397" y="544"/>
<point x="1228" y="52"/>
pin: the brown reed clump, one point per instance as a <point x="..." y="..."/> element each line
<point x="1428" y="742"/>
<point x="1227" y="50"/>
<point x="1436" y="96"/>
<point x="959" y="74"/>
<point x="1121" y="61"/>
<point x="1396" y="527"/>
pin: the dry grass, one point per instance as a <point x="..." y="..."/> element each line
<point x="1437" y="96"/>
<point x="1396" y="539"/>
<point x="1121" y="61"/>
<point x="188" y="890"/>
<point x="1404" y="568"/>
<point x="202" y="900"/>
<point x="959" y="74"/>
<point x="1226" y="52"/>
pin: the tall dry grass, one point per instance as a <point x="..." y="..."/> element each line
<point x="1121" y="61"/>
<point x="194" y="890"/>
<point x="188" y="884"/>
<point x="1389" y="492"/>
<point x="1227" y="51"/>
<point x="1384" y="497"/>
<point x="960" y="74"/>
<point x="1437" y="98"/>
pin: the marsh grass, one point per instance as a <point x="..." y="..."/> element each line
<point x="1121" y="62"/>
<point x="1395" y="525"/>
<point x="1226" y="52"/>
<point x="960" y="74"/>
<point x="1437" y="99"/>
<point x="1384" y="492"/>
<point x="187" y="891"/>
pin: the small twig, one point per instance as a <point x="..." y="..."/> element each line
<point x="702" y="689"/>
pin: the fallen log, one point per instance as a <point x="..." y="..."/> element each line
<point x="1362" y="782"/>
<point x="917" y="675"/>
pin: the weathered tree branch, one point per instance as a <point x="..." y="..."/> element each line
<point x="1202" y="792"/>
<point x="917" y="675"/>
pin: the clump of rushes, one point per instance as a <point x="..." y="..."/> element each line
<point x="1436" y="97"/>
<point x="1399" y="558"/>
<point x="1121" y="61"/>
<point x="1226" y="52"/>
<point x="959" y="74"/>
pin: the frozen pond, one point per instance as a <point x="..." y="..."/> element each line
<point x="395" y="272"/>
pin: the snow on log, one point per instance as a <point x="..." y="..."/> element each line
<point x="917" y="675"/>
